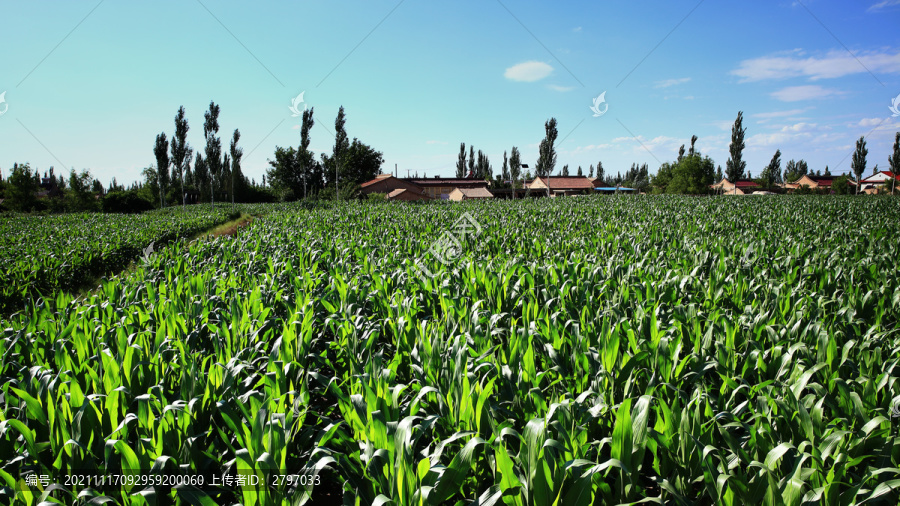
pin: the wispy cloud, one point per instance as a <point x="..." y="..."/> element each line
<point x="807" y="92"/>
<point x="778" y="114"/>
<point x="576" y="29"/>
<point x="798" y="127"/>
<point x="869" y="122"/>
<point x="556" y="87"/>
<point x="835" y="63"/>
<point x="529" y="71"/>
<point x="671" y="82"/>
<point x="883" y="4"/>
<point x="779" y="139"/>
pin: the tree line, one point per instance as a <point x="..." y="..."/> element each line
<point x="296" y="173"/>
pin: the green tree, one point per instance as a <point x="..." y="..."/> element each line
<point x="591" y="171"/>
<point x="894" y="161"/>
<point x="580" y="173"/>
<point x="161" y="152"/>
<point x="305" y="157"/>
<point x="841" y="185"/>
<point x="295" y="173"/>
<point x="21" y="188"/>
<point x="735" y="166"/>
<point x="772" y="172"/>
<point x="334" y="164"/>
<point x="692" y="175"/>
<point x="471" y="172"/>
<point x="794" y="170"/>
<point x="181" y="150"/>
<point x="284" y="174"/>
<point x="719" y="174"/>
<point x="362" y="163"/>
<point x="858" y="164"/>
<point x="80" y="196"/>
<point x="680" y="154"/>
<point x="515" y="168"/>
<point x="461" y="161"/>
<point x="600" y="174"/>
<point x="546" y="151"/>
<point x="201" y="177"/>
<point x="504" y="172"/>
<point x="483" y="168"/>
<point x="149" y="190"/>
<point x="565" y="170"/>
<point x="663" y="178"/>
<point x="239" y="183"/>
<point x="213" y="147"/>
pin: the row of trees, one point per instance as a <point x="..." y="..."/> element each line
<point x="20" y="191"/>
<point x="794" y="170"/>
<point x="215" y="174"/>
<point x="295" y="173"/>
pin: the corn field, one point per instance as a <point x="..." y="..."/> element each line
<point x="579" y="351"/>
<point x="46" y="254"/>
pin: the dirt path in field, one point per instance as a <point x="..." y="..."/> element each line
<point x="229" y="229"/>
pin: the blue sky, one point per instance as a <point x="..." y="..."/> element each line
<point x="90" y="84"/>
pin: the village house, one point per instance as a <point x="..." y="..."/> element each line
<point x="562" y="185"/>
<point x="884" y="180"/>
<point x="406" y="195"/>
<point x="459" y="194"/>
<point x="435" y="188"/>
<point x="814" y="182"/>
<point x="739" y="187"/>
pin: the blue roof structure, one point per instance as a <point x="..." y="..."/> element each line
<point x="613" y="188"/>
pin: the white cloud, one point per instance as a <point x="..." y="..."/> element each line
<point x="671" y="82"/>
<point x="589" y="148"/>
<point x="576" y="29"/>
<point x="807" y="92"/>
<point x="528" y="71"/>
<point x="870" y="122"/>
<point x="883" y="4"/>
<point x="779" y="139"/>
<point x="799" y="127"/>
<point x="778" y="114"/>
<point x="836" y="63"/>
<point x="562" y="89"/>
<point x="878" y="124"/>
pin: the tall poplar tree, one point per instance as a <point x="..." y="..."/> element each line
<point x="161" y="151"/>
<point x="859" y="160"/>
<point x="213" y="159"/>
<point x="181" y="150"/>
<point x="735" y="166"/>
